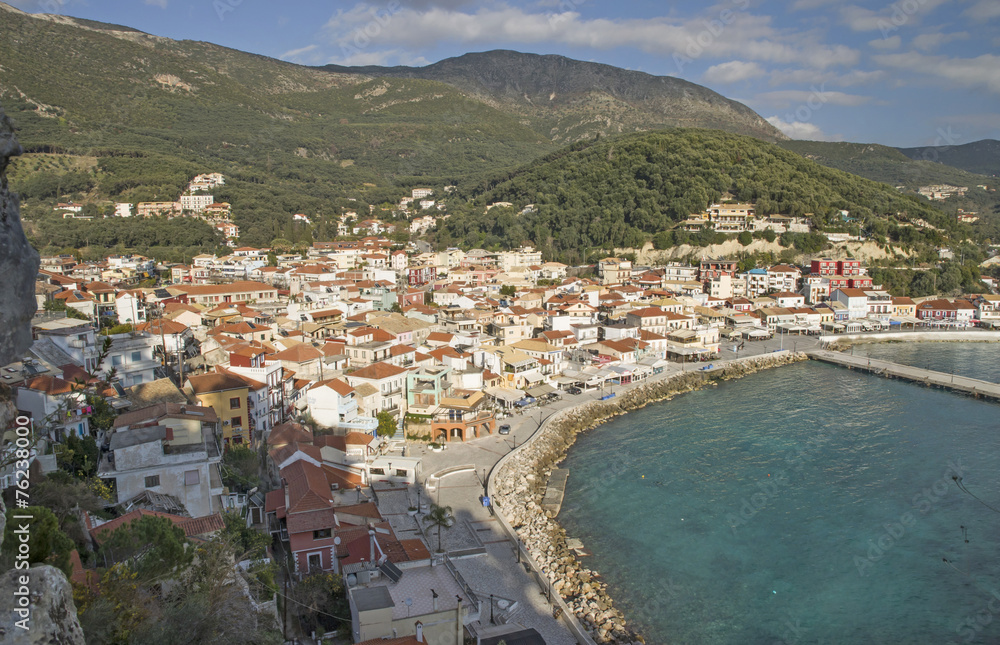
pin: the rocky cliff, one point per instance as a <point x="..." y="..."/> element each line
<point x="18" y="261"/>
<point x="41" y="596"/>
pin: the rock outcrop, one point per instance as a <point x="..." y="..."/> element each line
<point x="18" y="261"/>
<point x="51" y="615"/>
<point x="46" y="600"/>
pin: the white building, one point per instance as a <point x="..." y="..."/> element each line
<point x="123" y="209"/>
<point x="332" y="404"/>
<point x="196" y="203"/>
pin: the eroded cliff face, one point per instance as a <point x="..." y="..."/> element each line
<point x="44" y="596"/>
<point x="18" y="261"/>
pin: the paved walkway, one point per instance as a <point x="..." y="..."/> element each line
<point x="497" y="571"/>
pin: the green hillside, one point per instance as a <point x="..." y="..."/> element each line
<point x="981" y="157"/>
<point x="625" y="191"/>
<point x="882" y="163"/>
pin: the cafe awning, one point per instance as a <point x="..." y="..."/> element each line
<point x="505" y="394"/>
<point x="541" y="390"/>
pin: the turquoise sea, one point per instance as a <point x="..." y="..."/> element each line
<point x="806" y="504"/>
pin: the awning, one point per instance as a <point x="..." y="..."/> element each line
<point x="541" y="390"/>
<point x="526" y="401"/>
<point x="504" y="394"/>
<point x="758" y="333"/>
<point x="533" y="378"/>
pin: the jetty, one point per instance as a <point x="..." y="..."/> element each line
<point x="971" y="386"/>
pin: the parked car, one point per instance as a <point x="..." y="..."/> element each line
<point x="504" y="429"/>
<point x="574" y="390"/>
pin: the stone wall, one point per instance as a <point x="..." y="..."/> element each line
<point x="520" y="480"/>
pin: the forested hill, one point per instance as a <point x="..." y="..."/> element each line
<point x="982" y="157"/>
<point x="910" y="167"/>
<point x="569" y="100"/>
<point x="620" y="192"/>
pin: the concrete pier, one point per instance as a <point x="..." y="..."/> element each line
<point x="971" y="386"/>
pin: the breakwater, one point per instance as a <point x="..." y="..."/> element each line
<point x="518" y="485"/>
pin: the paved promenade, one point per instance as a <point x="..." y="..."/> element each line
<point x="497" y="571"/>
<point x="972" y="386"/>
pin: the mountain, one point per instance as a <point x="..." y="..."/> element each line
<point x="626" y="191"/>
<point x="981" y="157"/>
<point x="568" y="100"/>
<point x="882" y="163"/>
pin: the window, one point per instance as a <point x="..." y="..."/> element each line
<point x="137" y="379"/>
<point x="116" y="360"/>
<point x="315" y="562"/>
<point x="234" y="403"/>
<point x="400" y="472"/>
<point x="152" y="481"/>
<point x="191" y="478"/>
<point x="322" y="534"/>
<point x="376" y="471"/>
<point x="237" y="422"/>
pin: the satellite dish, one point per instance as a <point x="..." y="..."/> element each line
<point x="408" y="601"/>
<point x="336" y="540"/>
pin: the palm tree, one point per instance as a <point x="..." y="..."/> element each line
<point x="441" y="517"/>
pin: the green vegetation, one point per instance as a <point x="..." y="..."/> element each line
<point x="626" y="191"/>
<point x="241" y="468"/>
<point x="47" y="544"/>
<point x="386" y="425"/>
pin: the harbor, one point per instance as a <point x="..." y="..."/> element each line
<point x="973" y="387"/>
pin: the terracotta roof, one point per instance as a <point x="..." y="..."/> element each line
<point x="308" y="489"/>
<point x="289" y="432"/>
<point x="339" y="386"/>
<point x="378" y="371"/>
<point x="50" y="385"/>
<point x="298" y="354"/>
<point x="192" y="526"/>
<point x="214" y="383"/>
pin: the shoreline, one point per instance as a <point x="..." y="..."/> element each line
<point x="518" y="482"/>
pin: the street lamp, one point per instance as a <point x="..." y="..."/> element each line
<point x="492" y="622"/>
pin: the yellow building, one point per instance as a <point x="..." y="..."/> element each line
<point x="227" y="395"/>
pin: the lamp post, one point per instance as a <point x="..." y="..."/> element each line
<point x="492" y="622"/>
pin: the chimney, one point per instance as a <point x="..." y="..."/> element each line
<point x="420" y="631"/>
<point x="434" y="596"/>
<point x="460" y="633"/>
<point x="371" y="543"/>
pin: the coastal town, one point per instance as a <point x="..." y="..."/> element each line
<point x="350" y="402"/>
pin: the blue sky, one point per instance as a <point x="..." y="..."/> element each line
<point x="905" y="73"/>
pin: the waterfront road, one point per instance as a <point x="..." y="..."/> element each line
<point x="497" y="572"/>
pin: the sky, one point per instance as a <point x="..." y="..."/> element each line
<point x="904" y="73"/>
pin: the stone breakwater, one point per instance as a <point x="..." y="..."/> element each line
<point x="520" y="485"/>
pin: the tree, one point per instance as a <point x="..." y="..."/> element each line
<point x="152" y="547"/>
<point x="46" y="543"/>
<point x="745" y="238"/>
<point x="441" y="517"/>
<point x="241" y="468"/>
<point x="78" y="456"/>
<point x="321" y="601"/>
<point x="386" y="425"/>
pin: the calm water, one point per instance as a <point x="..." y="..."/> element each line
<point x="807" y="504"/>
<point x="975" y="360"/>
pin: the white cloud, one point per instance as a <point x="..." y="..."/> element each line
<point x="817" y="96"/>
<point x="718" y="33"/>
<point x="983" y="10"/>
<point x="802" y="130"/>
<point x="732" y="72"/>
<point x="300" y="55"/>
<point x="890" y="18"/>
<point x="893" y="42"/>
<point x="980" y="72"/>
<point x="927" y="42"/>
<point x="162" y="4"/>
